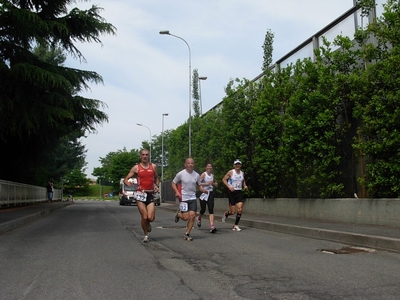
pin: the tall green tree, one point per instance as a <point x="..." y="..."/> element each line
<point x="268" y="48"/>
<point x="39" y="99"/>
<point x="195" y="93"/>
<point x="68" y="153"/>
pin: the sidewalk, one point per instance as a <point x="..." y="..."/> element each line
<point x="13" y="217"/>
<point x="370" y="236"/>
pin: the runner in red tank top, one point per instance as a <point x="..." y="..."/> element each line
<point x="145" y="178"/>
<point x="147" y="184"/>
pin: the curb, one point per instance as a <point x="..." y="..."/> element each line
<point x="355" y="239"/>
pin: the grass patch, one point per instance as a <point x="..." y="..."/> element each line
<point x="100" y="191"/>
<point x="93" y="192"/>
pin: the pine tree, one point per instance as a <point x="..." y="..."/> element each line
<point x="195" y="93"/>
<point x="39" y="99"/>
<point x="268" y="49"/>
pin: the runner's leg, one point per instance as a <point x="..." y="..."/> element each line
<point x="143" y="214"/>
<point x="210" y="204"/>
<point x="191" y="217"/>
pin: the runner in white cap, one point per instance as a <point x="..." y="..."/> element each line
<point x="235" y="182"/>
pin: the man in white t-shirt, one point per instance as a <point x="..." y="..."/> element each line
<point x="189" y="180"/>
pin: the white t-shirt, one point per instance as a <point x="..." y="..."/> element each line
<point x="189" y="183"/>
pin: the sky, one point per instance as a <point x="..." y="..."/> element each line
<point x="147" y="74"/>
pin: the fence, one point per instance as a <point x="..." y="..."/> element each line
<point x="167" y="193"/>
<point x="14" y="194"/>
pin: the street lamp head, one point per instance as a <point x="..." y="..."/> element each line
<point x="165" y="114"/>
<point x="138" y="124"/>
<point x="203" y="78"/>
<point x="164" y="32"/>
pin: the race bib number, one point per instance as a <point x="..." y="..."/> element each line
<point x="183" y="206"/>
<point x="140" y="196"/>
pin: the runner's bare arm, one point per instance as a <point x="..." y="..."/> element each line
<point x="131" y="174"/>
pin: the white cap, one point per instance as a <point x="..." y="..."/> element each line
<point x="237" y="161"/>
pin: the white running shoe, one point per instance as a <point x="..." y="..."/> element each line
<point x="187" y="237"/>
<point x="236" y="228"/>
<point x="224" y="217"/>
<point x="146" y="239"/>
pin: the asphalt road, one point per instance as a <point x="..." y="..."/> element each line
<point x="93" y="250"/>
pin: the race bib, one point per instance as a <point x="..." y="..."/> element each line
<point x="204" y="196"/>
<point x="140" y="196"/>
<point x="183" y="206"/>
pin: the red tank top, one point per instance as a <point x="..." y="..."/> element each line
<point x="145" y="177"/>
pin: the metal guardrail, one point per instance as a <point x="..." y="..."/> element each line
<point x="15" y="194"/>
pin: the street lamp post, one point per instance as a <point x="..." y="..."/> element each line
<point x="190" y="89"/>
<point x="162" y="148"/>
<point x="201" y="102"/>
<point x="162" y="158"/>
<point x="138" y="124"/>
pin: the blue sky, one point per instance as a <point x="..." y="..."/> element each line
<point x="147" y="74"/>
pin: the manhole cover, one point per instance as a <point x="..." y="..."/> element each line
<point x="172" y="227"/>
<point x="346" y="250"/>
